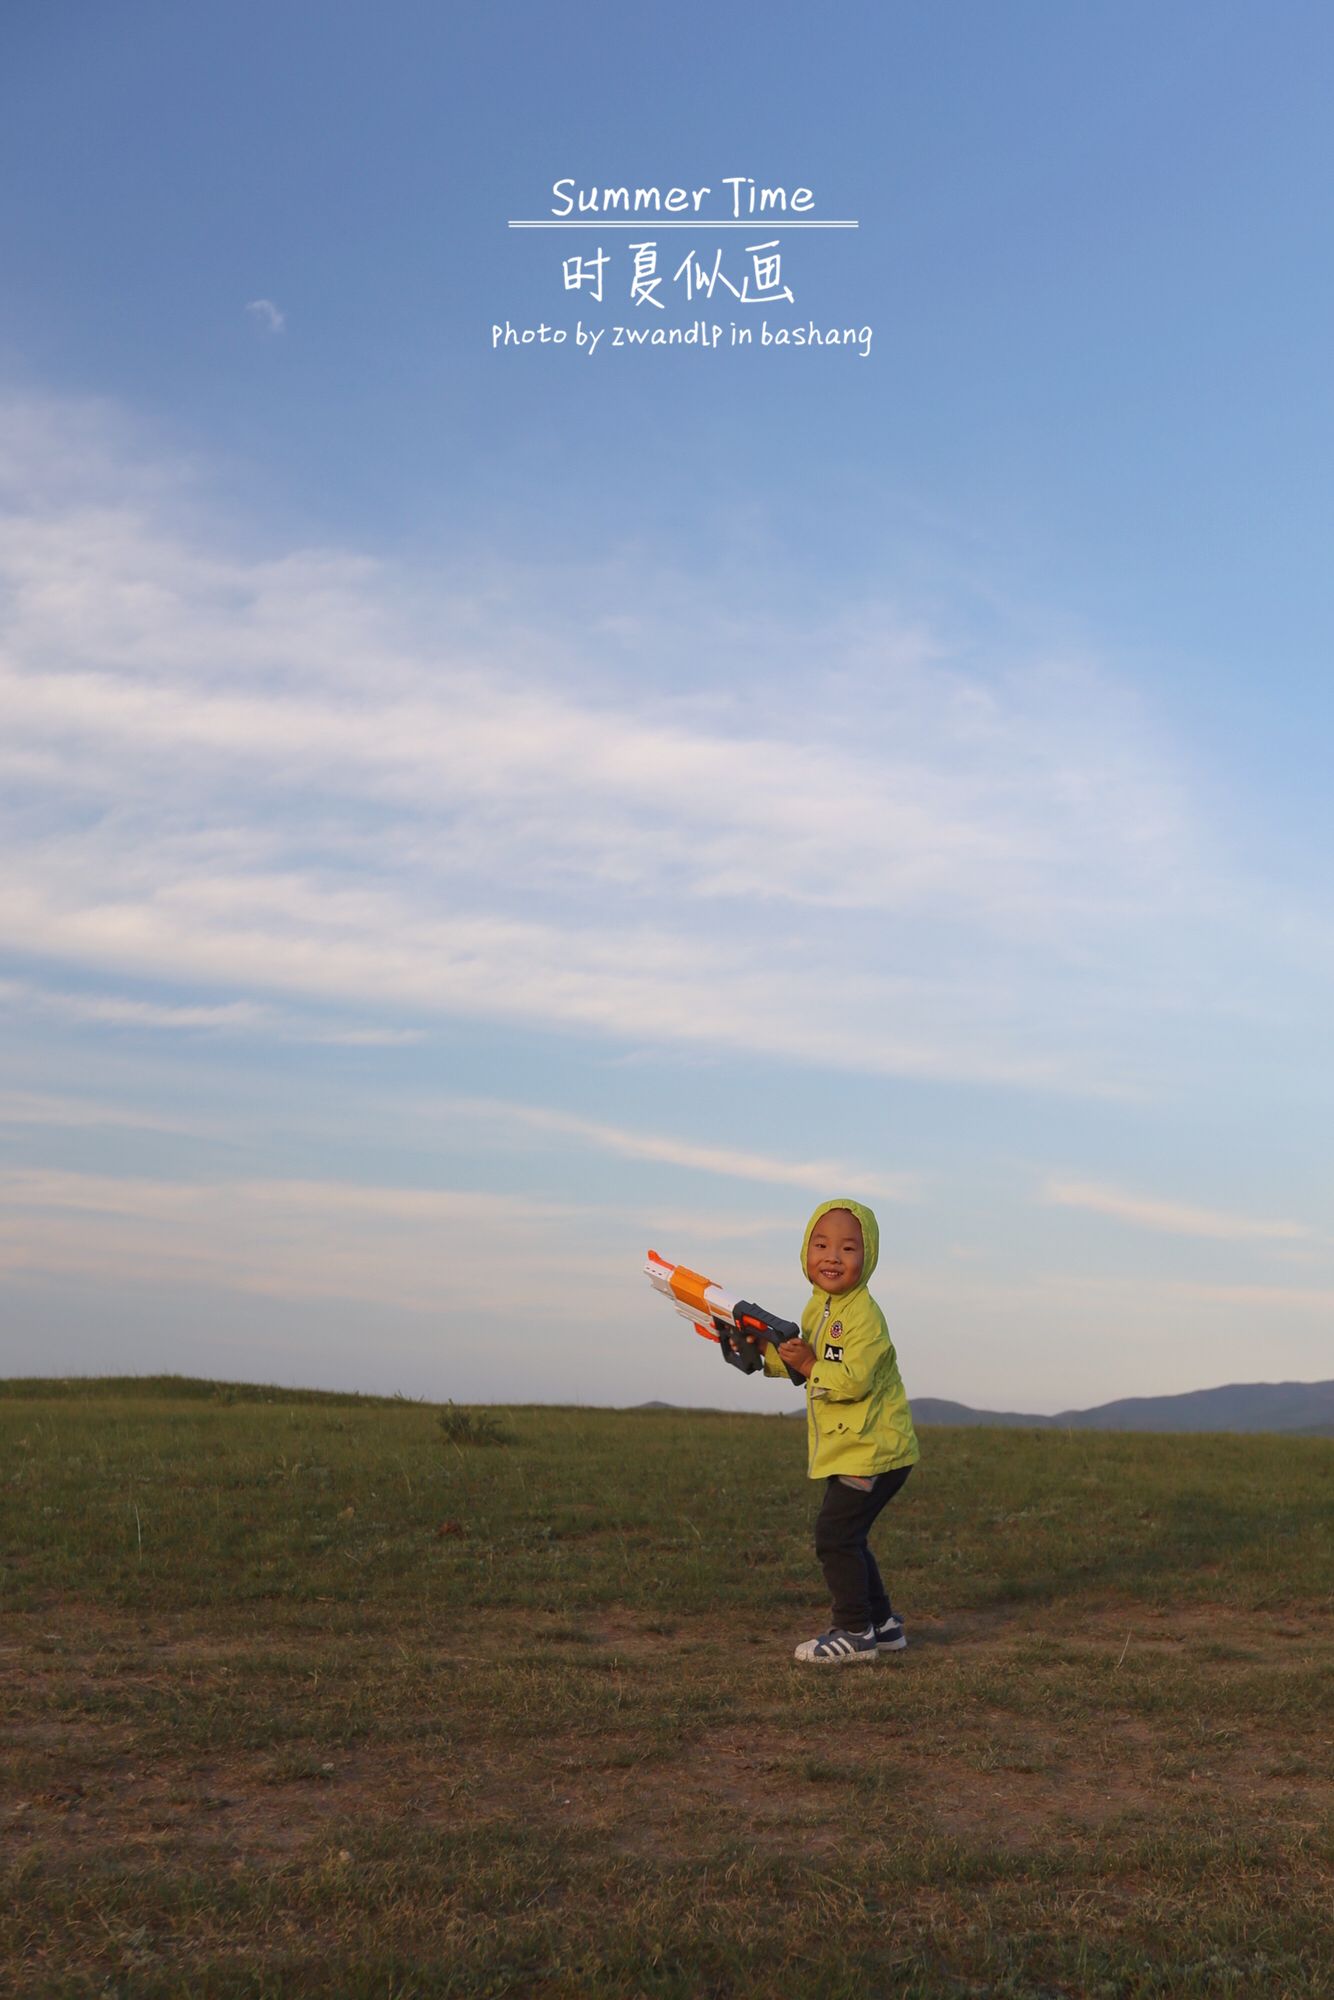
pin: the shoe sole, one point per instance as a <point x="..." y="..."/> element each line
<point x="834" y="1659"/>
<point x="890" y="1645"/>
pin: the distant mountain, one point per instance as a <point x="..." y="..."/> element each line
<point x="1299" y="1408"/>
<point x="938" y="1410"/>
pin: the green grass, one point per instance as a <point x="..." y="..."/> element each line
<point x="307" y="1696"/>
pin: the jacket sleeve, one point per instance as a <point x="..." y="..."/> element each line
<point x="864" y="1344"/>
<point x="772" y="1365"/>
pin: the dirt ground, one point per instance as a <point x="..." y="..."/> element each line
<point x="74" y="1783"/>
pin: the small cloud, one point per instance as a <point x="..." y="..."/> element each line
<point x="1171" y="1217"/>
<point x="227" y="1017"/>
<point x="268" y="315"/>
<point x="704" y="1158"/>
<point x="365" y="1038"/>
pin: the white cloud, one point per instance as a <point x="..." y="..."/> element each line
<point x="514" y="1297"/>
<point x="1172" y="1218"/>
<point x="235" y="1017"/>
<point x="478" y="1124"/>
<point x="439" y="1251"/>
<point x="81" y="1114"/>
<point x="266" y="314"/>
<point x="812" y="1176"/>
<point x="1268" y="1298"/>
<point x="289" y="934"/>
<point x="303" y="777"/>
<point x="420" y="1249"/>
<point x="986" y="828"/>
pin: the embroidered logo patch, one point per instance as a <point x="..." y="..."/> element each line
<point x="836" y="1329"/>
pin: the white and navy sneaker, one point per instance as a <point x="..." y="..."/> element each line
<point x="891" y="1637"/>
<point x="837" y="1648"/>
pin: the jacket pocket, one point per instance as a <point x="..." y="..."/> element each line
<point x="842" y="1420"/>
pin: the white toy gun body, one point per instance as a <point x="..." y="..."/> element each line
<point x="740" y="1327"/>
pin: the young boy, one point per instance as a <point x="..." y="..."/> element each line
<point x="858" y="1424"/>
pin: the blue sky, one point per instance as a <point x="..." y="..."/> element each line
<point x="471" y="814"/>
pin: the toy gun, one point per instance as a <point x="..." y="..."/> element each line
<point x="740" y="1328"/>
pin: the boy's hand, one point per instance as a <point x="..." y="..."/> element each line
<point x="798" y="1354"/>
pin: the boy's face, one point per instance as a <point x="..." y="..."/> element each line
<point x="836" y="1253"/>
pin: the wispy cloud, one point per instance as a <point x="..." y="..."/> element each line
<point x="1264" y="1298"/>
<point x="508" y="1291"/>
<point x="82" y="1114"/>
<point x="303" y="778"/>
<point x="1172" y="1218"/>
<point x="480" y="1125"/>
<point x="234" y="1017"/>
<point x="811" y="1176"/>
<point x="421" y="1249"/>
<point x="266" y="314"/>
<point x="120" y="1011"/>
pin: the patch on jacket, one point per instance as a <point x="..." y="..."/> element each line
<point x="832" y="1353"/>
<point x="836" y="1329"/>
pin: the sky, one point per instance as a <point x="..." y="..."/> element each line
<point x="472" y="811"/>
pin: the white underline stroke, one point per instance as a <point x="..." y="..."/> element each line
<point x="658" y="222"/>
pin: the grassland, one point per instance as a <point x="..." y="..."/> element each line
<point x="305" y="1696"/>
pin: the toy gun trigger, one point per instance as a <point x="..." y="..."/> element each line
<point x="767" y="1327"/>
<point x="739" y="1351"/>
<point x="747" y="1329"/>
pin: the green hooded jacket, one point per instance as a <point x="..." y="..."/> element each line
<point x="858" y="1421"/>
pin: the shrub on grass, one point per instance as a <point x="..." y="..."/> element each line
<point x="472" y="1427"/>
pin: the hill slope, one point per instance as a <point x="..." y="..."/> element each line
<point x="1303" y="1408"/>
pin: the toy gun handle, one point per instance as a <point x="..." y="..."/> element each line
<point x="753" y="1327"/>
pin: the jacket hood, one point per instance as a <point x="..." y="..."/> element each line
<point x="870" y="1233"/>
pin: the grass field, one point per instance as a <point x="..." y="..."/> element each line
<point x="304" y="1695"/>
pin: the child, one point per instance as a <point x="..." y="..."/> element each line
<point x="858" y="1423"/>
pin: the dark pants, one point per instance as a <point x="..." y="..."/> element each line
<point x="841" y="1528"/>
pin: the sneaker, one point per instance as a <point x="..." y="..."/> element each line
<point x="891" y="1637"/>
<point x="837" y="1648"/>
